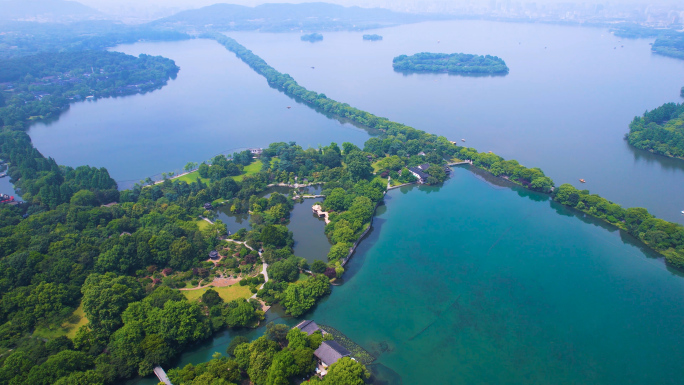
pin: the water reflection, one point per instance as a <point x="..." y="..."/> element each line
<point x="647" y="157"/>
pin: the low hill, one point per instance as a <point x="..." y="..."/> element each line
<point x="46" y="10"/>
<point x="288" y="17"/>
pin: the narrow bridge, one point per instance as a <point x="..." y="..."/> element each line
<point x="161" y="375"/>
<point x="470" y="162"/>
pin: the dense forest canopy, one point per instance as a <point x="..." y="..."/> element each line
<point x="660" y="130"/>
<point x="457" y="63"/>
<point x="19" y="38"/>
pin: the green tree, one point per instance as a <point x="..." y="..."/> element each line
<point x="105" y="297"/>
<point x="84" y="198"/>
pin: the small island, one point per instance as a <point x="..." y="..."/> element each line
<point x="312" y="37"/>
<point x="373" y="37"/>
<point x="660" y="131"/>
<point x="457" y="63"/>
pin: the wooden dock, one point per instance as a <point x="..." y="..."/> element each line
<point x="161" y="375"/>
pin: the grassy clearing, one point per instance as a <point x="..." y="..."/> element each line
<point x="73" y="328"/>
<point x="302" y="277"/>
<point x="228" y="293"/>
<point x="66" y="329"/>
<point x="202" y="224"/>
<point x="192" y="177"/>
<point x="250" y="170"/>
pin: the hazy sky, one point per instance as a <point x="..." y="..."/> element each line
<point x="157" y="8"/>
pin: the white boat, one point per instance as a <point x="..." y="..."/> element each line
<point x="682" y="211"/>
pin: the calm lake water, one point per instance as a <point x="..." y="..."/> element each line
<point x="476" y="283"/>
<point x="564" y="107"/>
<point x="216" y="104"/>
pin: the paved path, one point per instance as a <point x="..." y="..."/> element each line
<point x="263" y="267"/>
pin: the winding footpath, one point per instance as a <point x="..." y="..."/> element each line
<point x="264" y="264"/>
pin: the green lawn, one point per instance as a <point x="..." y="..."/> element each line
<point x="228" y="293"/>
<point x="250" y="170"/>
<point x="192" y="177"/>
<point x="303" y="277"/>
<point x="66" y="329"/>
<point x="202" y="224"/>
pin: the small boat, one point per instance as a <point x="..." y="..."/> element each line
<point x="288" y="107"/>
<point x="682" y="211"/>
<point x="462" y="140"/>
<point x="3" y="175"/>
<point x="313" y="68"/>
<point x="583" y="181"/>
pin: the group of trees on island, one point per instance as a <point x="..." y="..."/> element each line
<point x="456" y="63"/>
<point x="660" y="131"/>
<point x="312" y="37"/>
<point x="373" y="37"/>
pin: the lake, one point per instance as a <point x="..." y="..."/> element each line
<point x="565" y="106"/>
<point x="470" y="282"/>
<point x="216" y="105"/>
<point x="474" y="282"/>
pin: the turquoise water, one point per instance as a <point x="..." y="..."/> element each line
<point x="475" y="282"/>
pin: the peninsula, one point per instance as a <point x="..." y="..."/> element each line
<point x="457" y="63"/>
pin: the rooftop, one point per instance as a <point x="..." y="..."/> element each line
<point x="308" y="326"/>
<point x="330" y="351"/>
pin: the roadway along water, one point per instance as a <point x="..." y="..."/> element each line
<point x="564" y="107"/>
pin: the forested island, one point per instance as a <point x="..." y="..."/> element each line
<point x="457" y="63"/>
<point x="660" y="131"/>
<point x="373" y="37"/>
<point x="312" y="37"/>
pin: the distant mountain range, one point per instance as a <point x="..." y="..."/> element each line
<point x="288" y="17"/>
<point x="46" y="10"/>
